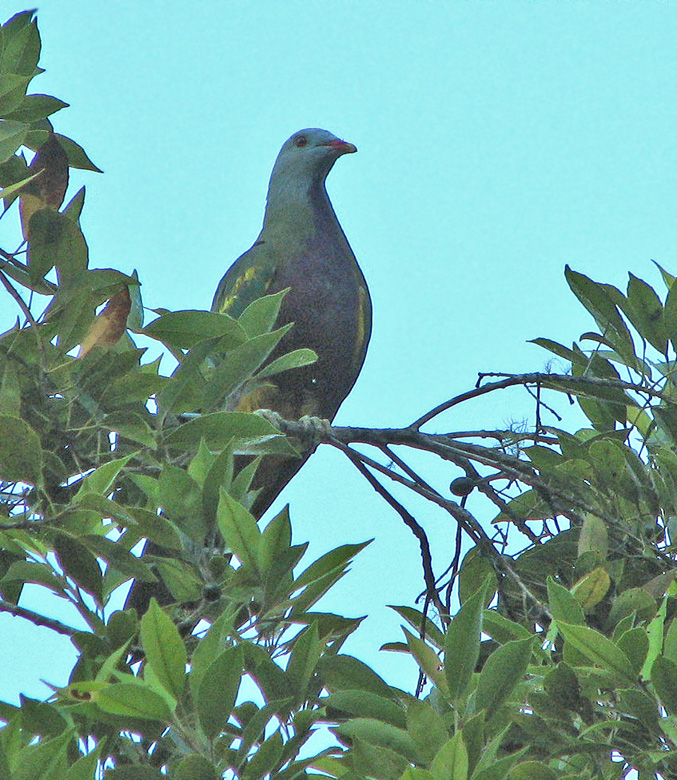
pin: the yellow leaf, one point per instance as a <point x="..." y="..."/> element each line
<point x="591" y="588"/>
<point x="108" y="327"/>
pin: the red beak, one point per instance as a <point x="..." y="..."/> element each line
<point x="342" y="147"/>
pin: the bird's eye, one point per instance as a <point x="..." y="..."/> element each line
<point x="300" y="141"/>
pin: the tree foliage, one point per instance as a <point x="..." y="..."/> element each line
<point x="549" y="651"/>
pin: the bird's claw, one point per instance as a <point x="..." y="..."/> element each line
<point x="315" y="429"/>
<point x="311" y="429"/>
<point x="273" y="417"/>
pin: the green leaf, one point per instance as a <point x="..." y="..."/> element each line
<point x="10" y="392"/>
<point x="12" y="91"/>
<point x="595" y="297"/>
<point x="451" y="760"/>
<point x="185" y="329"/>
<point x="73" y="209"/>
<point x="410" y="773"/>
<point x="664" y="680"/>
<point x="260" y="316"/>
<point x="85" y="767"/>
<point x="238" y="366"/>
<point x="54" y="240"/>
<point x="44" y="761"/>
<point x="670" y="647"/>
<point x="218" y="690"/>
<point x="306" y="651"/>
<point x="207" y="649"/>
<point x="502" y="671"/>
<point x="475" y="569"/>
<point x="593" y="534"/>
<point x="184" y="389"/>
<point x="8" y="193"/>
<point x="425" y="726"/>
<point x="164" y="649"/>
<point x="102" y="480"/>
<point x="218" y="428"/>
<point x="144" y="523"/>
<point x="38" y="573"/>
<point x="645" y="310"/>
<point x="632" y="600"/>
<point x="375" y="732"/>
<point x="266" y="758"/>
<point x="655" y="632"/>
<point x="635" y="644"/>
<point x="134" y="700"/>
<point x="533" y="770"/>
<point x="369" y="705"/>
<point x="500" y="768"/>
<point x="462" y="645"/>
<point x="22" y="45"/>
<point x="79" y="564"/>
<point x="428" y="661"/>
<point x="20" y="451"/>
<point x="218" y="476"/>
<point x="343" y="672"/>
<point x="295" y="359"/>
<point x="35" y="107"/>
<point x="558" y="349"/>
<point x="195" y="767"/>
<point x="668" y="279"/>
<point x="335" y="560"/>
<point x="275" y="540"/>
<point x="239" y="530"/>
<point x="563" y="605"/>
<point x="179" y="496"/>
<point x="501" y="629"/>
<point x="41" y="718"/>
<point x="77" y="157"/>
<point x="600" y="650"/>
<point x="12" y="135"/>
<point x="134" y="772"/>
<point x="421" y="623"/>
<point x="474" y="738"/>
<point x="563" y="688"/>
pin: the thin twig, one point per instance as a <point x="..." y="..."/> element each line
<point x="409" y="521"/>
<point x="513" y="380"/>
<point x="36" y="618"/>
<point x="20" y="301"/>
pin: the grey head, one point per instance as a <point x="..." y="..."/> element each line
<point x="309" y="155"/>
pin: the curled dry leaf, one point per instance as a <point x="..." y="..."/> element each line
<point x="108" y="326"/>
<point x="48" y="189"/>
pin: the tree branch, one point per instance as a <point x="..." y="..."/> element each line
<point x="36" y="618"/>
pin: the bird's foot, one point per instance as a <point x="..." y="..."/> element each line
<point x="314" y="429"/>
<point x="273" y="417"/>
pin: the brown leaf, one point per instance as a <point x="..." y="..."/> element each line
<point x="109" y="326"/>
<point x="49" y="189"/>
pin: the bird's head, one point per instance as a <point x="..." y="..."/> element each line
<point x="310" y="154"/>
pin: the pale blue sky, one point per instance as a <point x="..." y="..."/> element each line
<point x="497" y="141"/>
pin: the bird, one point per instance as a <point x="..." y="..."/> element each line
<point x="302" y="249"/>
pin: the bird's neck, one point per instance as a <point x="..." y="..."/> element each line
<point x="299" y="202"/>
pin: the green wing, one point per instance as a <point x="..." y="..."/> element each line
<point x="250" y="277"/>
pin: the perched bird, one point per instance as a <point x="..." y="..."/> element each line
<point x="301" y="247"/>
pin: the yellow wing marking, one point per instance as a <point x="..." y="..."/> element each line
<point x="363" y="326"/>
<point x="230" y="299"/>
